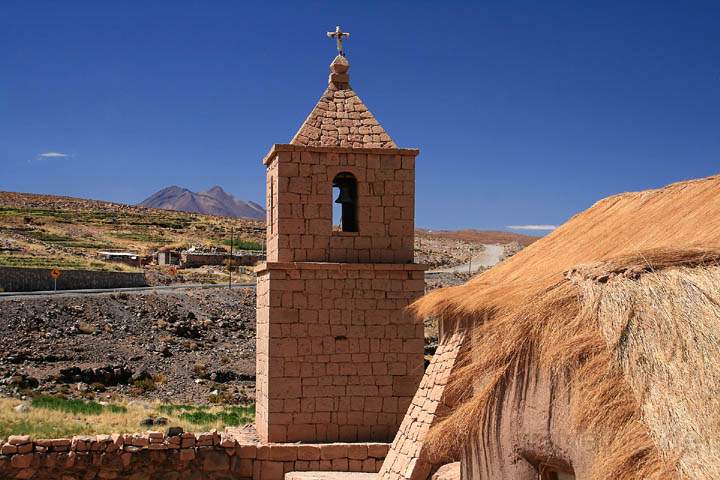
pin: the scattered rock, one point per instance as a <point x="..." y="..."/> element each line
<point x="21" y="381"/>
<point x="85" y="328"/>
<point x="109" y="375"/>
<point x="52" y="343"/>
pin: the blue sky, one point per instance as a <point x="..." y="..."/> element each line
<point x="525" y="112"/>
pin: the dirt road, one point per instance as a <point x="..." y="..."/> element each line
<point x="490" y="255"/>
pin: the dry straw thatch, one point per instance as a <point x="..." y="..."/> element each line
<point x="623" y="302"/>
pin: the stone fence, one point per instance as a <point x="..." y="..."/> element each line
<point x="14" y="279"/>
<point x="242" y="258"/>
<point x="154" y="455"/>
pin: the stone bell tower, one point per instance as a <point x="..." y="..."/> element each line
<point x="338" y="356"/>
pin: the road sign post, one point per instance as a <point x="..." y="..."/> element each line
<point x="55" y="274"/>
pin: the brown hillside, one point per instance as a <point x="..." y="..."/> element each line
<point x="52" y="231"/>
<point x="479" y="236"/>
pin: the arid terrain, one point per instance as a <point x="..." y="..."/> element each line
<point x="186" y="346"/>
<point x="194" y="345"/>
<point x="49" y="231"/>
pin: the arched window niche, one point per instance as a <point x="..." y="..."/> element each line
<point x="550" y="468"/>
<point x="345" y="217"/>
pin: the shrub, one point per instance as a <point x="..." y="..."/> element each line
<point x="144" y="384"/>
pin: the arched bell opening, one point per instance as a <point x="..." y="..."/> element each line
<point x="345" y="216"/>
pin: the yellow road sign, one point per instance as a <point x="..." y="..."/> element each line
<point x="55" y="273"/>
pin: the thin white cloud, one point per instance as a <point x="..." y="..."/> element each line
<point x="532" y="227"/>
<point x="53" y="155"/>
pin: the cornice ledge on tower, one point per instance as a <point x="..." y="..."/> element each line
<point x="265" y="266"/>
<point x="286" y="147"/>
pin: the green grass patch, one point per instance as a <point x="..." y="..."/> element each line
<point x="236" y="416"/>
<point x="240" y="244"/>
<point x="66" y="263"/>
<point x="46" y="429"/>
<point x="47" y="237"/>
<point x="63" y="240"/>
<point x="140" y="237"/>
<point x="116" y="408"/>
<point x="40" y="262"/>
<point x="70" y="406"/>
<point x="76" y="407"/>
<point x="171" y="409"/>
<point x="232" y="416"/>
<point x="199" y="417"/>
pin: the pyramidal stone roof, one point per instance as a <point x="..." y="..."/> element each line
<point x="340" y="118"/>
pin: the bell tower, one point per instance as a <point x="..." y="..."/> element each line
<point x="338" y="356"/>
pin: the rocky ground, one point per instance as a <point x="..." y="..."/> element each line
<point x="194" y="346"/>
<point x="186" y="346"/>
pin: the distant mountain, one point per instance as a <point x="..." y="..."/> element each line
<point x="215" y="201"/>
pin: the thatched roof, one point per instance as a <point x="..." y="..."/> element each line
<point x="624" y="302"/>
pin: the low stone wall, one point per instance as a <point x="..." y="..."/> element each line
<point x="207" y="456"/>
<point x="14" y="279"/>
<point x="193" y="260"/>
<point x="408" y="458"/>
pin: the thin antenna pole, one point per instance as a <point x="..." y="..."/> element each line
<point x="230" y="261"/>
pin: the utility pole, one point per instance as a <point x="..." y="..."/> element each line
<point x="230" y="261"/>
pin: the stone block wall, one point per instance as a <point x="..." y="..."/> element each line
<point x="408" y="459"/>
<point x="300" y="202"/>
<point x="338" y="356"/>
<point x="154" y="456"/>
<point x="16" y="279"/>
<point x="193" y="260"/>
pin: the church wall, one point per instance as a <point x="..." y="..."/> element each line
<point x="534" y="427"/>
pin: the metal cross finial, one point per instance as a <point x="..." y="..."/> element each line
<point x="338" y="34"/>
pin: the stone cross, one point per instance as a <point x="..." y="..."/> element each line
<point x="339" y="35"/>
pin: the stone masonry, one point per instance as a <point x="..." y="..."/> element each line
<point x="340" y="118"/>
<point x="338" y="356"/>
<point x="299" y="192"/>
<point x="153" y="455"/>
<point x="408" y="459"/>
<point x="19" y="279"/>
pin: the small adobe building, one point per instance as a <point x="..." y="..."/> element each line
<point x="594" y="352"/>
